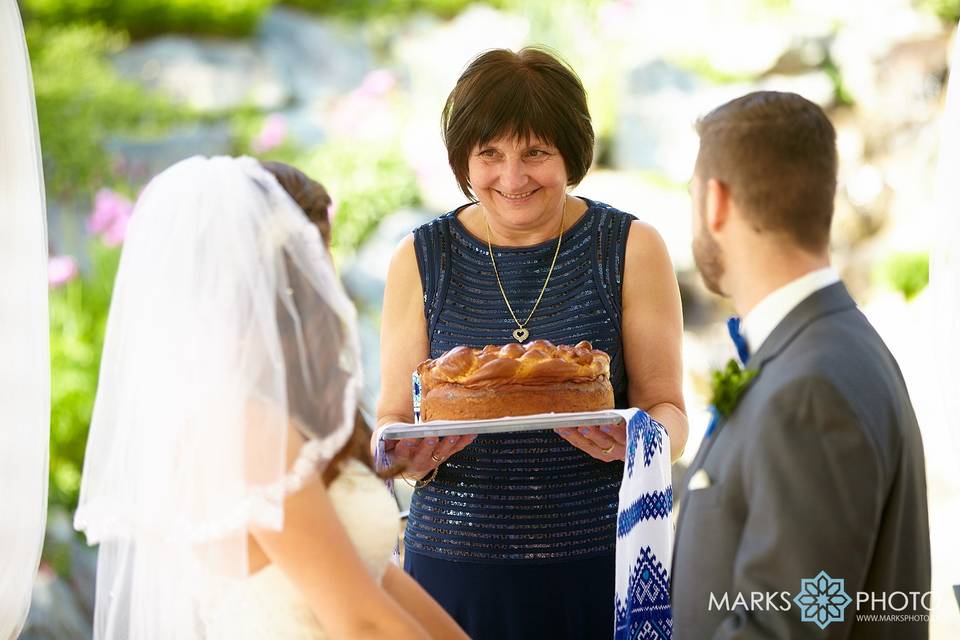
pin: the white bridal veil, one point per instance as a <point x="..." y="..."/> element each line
<point x="24" y="330"/>
<point x="230" y="375"/>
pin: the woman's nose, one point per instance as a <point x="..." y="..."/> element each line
<point x="513" y="176"/>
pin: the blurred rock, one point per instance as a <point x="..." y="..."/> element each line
<point x="744" y="48"/>
<point x="306" y="125"/>
<point x="83" y="576"/>
<point x="862" y="209"/>
<point x="436" y="53"/>
<point x="66" y="227"/>
<point x="804" y="54"/>
<point x="364" y="276"/>
<point x="206" y="74"/>
<point x="368" y="328"/>
<point x="664" y="206"/>
<point x="139" y="160"/>
<point x="654" y="130"/>
<point x="815" y="86"/>
<point x="55" y="613"/>
<point x="313" y="58"/>
<point x="892" y="64"/>
<point x="432" y="54"/>
<point x="661" y="103"/>
<point x="62" y="607"/>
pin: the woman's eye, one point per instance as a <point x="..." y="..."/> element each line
<point x="537" y="153"/>
<point x="488" y="153"/>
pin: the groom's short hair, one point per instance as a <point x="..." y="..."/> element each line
<point x="777" y="154"/>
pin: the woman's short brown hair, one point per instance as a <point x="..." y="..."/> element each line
<point x="777" y="154"/>
<point x="524" y="94"/>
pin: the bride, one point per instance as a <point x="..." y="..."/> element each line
<point x="220" y="480"/>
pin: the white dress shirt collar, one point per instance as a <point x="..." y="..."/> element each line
<point x="769" y="312"/>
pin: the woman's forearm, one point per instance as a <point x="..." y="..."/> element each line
<point x="674" y="421"/>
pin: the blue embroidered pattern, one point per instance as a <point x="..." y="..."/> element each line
<point x="651" y="431"/>
<point x="656" y="504"/>
<point x="646" y="612"/>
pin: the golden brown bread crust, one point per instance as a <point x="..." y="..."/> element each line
<point x="535" y="363"/>
<point x="515" y="380"/>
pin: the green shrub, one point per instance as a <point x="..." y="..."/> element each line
<point x="908" y="273"/>
<point x="368" y="181"/>
<point x="143" y="18"/>
<point x="946" y="10"/>
<point x="365" y="9"/>
<point x="81" y="100"/>
<point x="78" y="316"/>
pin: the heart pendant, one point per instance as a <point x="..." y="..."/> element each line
<point x="520" y="334"/>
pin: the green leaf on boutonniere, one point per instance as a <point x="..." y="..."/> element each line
<point x="727" y="385"/>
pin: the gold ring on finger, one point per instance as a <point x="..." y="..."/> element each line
<point x="609" y="449"/>
<point x="436" y="459"/>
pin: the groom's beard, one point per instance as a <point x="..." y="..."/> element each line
<point x="709" y="260"/>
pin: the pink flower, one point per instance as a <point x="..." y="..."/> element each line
<point x="61" y="270"/>
<point x="272" y="134"/>
<point x="377" y="83"/>
<point x="111" y="212"/>
<point x="113" y="237"/>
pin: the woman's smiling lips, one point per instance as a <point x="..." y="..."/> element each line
<point x="517" y="197"/>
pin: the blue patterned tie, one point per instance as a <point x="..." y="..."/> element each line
<point x="733" y="327"/>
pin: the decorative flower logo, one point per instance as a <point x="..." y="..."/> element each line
<point x="822" y="600"/>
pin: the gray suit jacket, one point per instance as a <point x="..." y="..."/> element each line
<point x="819" y="468"/>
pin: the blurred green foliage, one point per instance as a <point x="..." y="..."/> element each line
<point x="366" y="9"/>
<point x="947" y="10"/>
<point x="142" y="18"/>
<point x="908" y="273"/>
<point x="368" y="181"/>
<point x="81" y="100"/>
<point x="78" y="317"/>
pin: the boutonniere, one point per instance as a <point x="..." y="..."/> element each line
<point x="726" y="387"/>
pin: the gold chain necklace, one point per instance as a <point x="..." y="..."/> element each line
<point x="521" y="332"/>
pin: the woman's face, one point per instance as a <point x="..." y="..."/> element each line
<point x="520" y="183"/>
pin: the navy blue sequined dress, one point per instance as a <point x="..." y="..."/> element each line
<point x="515" y="537"/>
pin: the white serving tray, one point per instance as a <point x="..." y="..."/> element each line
<point x="538" y="422"/>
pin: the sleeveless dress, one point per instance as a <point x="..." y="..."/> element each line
<point x="267" y="605"/>
<point x="516" y="535"/>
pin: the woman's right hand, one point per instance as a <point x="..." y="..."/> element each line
<point x="420" y="456"/>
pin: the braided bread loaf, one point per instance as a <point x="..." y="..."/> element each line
<point x="514" y="380"/>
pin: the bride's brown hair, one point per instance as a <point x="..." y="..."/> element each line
<point x="313" y="198"/>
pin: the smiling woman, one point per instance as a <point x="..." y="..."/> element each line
<point x="507" y="530"/>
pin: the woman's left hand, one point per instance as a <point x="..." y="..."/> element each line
<point x="606" y="442"/>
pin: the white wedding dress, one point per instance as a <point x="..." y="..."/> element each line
<point x="266" y="605"/>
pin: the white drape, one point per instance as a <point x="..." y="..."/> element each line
<point x="24" y="330"/>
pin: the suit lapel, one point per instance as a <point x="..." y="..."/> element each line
<point x="818" y="304"/>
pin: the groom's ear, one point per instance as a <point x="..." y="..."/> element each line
<point x="717" y="205"/>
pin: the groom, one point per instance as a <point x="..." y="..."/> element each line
<point x="818" y="466"/>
